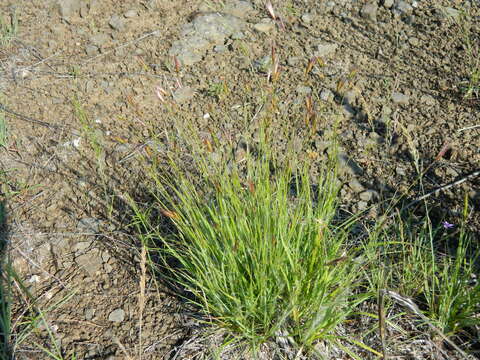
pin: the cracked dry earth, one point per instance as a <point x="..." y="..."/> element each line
<point x="87" y="85"/>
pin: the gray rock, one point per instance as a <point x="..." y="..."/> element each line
<point x="303" y="90"/>
<point x="362" y="206"/>
<point x="89" y="225"/>
<point x="91" y="261"/>
<point x="413" y="41"/>
<point x="69" y="7"/>
<point x="451" y="12"/>
<point x="326" y="95"/>
<point x="369" y="195"/>
<point x="117" y="23"/>
<point x="294" y="60"/>
<point x="204" y="32"/>
<point x="356" y="186"/>
<point x="265" y="26"/>
<point x="403" y="7"/>
<point x="183" y="94"/>
<point x="348" y="165"/>
<point x="369" y="11"/>
<point x="263" y="64"/>
<point x="91" y="50"/>
<point x="400" y="171"/>
<point x="388" y="3"/>
<point x="325" y="49"/>
<point x="130" y="13"/>
<point x="428" y="100"/>
<point x="399" y="98"/>
<point x="81" y="246"/>
<point x="307" y="18"/>
<point x="89" y="314"/>
<point x="238" y="8"/>
<point x="99" y="39"/>
<point x="220" y="48"/>
<point x="117" y="316"/>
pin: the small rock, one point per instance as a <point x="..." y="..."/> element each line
<point x="263" y="64"/>
<point x="91" y="50"/>
<point x="294" y="60"/>
<point x="414" y="41"/>
<point x="303" y="90"/>
<point x="307" y="18"/>
<point x="183" y="94"/>
<point x="400" y="171"/>
<point x="369" y="11"/>
<point x="238" y="8"/>
<point x="99" y="39"/>
<point x="326" y="95"/>
<point x="89" y="314"/>
<point x="451" y="12"/>
<point x="81" y="246"/>
<point x="388" y="3"/>
<point x="89" y="226"/>
<point x="362" y="206"/>
<point x="108" y="268"/>
<point x="348" y="165"/>
<point x="117" y="23"/>
<point x="69" y="7"/>
<point x="117" y="316"/>
<point x="265" y="26"/>
<point x="130" y="13"/>
<point x="368" y="195"/>
<point x="356" y="186"/>
<point x="220" y="48"/>
<point x="399" y="98"/>
<point x="403" y="7"/>
<point x="428" y="100"/>
<point x="325" y="49"/>
<point x="84" y="10"/>
<point x="91" y="261"/>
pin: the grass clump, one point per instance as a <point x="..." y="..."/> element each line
<point x="259" y="247"/>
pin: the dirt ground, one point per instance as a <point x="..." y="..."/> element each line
<point x="79" y="87"/>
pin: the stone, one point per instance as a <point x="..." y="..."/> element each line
<point x="91" y="50"/>
<point x="303" y="90"/>
<point x="326" y="95"/>
<point x="451" y="12"/>
<point x="69" y="7"/>
<point x="356" y="186"/>
<point x="388" y="3"/>
<point x="89" y="226"/>
<point x="369" y="11"/>
<point x="265" y="26"/>
<point x="117" y="23"/>
<point x="400" y="99"/>
<point x="91" y="262"/>
<point x="348" y="165"/>
<point x="117" y="316"/>
<point x="99" y="39"/>
<point x="183" y="94"/>
<point x="428" y="100"/>
<point x="403" y="7"/>
<point x="307" y="18"/>
<point x="220" y="48"/>
<point x="368" y="195"/>
<point x="413" y="41"/>
<point x="325" y="49"/>
<point x="89" y="314"/>
<point x="238" y="8"/>
<point x="130" y="13"/>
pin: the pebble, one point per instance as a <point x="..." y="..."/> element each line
<point x="362" y="206"/>
<point x="388" y="3"/>
<point x="89" y="226"/>
<point x="303" y="90"/>
<point x="91" y="50"/>
<point x="400" y="171"/>
<point x="265" y="26"/>
<point x="220" y="48"/>
<point x="69" y="7"/>
<point x="451" y="12"/>
<point x="307" y="18"/>
<point x="91" y="261"/>
<point x="325" y="49"/>
<point x="117" y="316"/>
<point x="117" y="23"/>
<point x="326" y="95"/>
<point x="238" y="8"/>
<point x="399" y="98"/>
<point x="183" y="94"/>
<point x="89" y="314"/>
<point x="99" y="39"/>
<point x="403" y="7"/>
<point x="414" y="41"/>
<point x="369" y="11"/>
<point x="348" y="165"/>
<point x="428" y="100"/>
<point x="369" y="195"/>
<point x="130" y="13"/>
<point x="356" y="186"/>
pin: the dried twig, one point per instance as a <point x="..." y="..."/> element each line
<point x="443" y="188"/>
